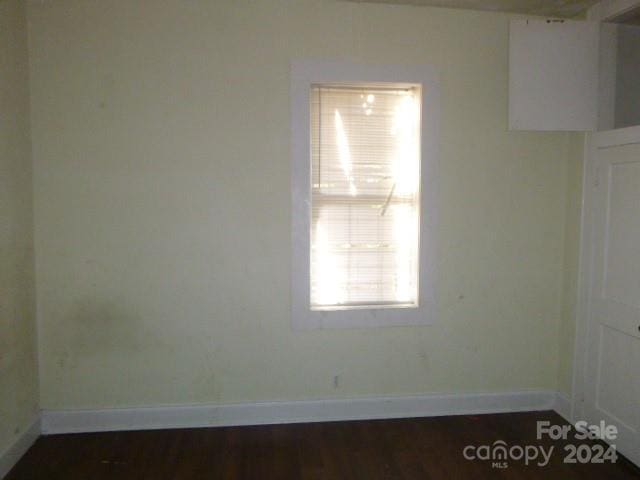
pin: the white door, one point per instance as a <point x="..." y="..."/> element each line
<point x="612" y="367"/>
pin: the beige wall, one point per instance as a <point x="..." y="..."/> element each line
<point x="573" y="210"/>
<point x="18" y="373"/>
<point x="161" y="150"/>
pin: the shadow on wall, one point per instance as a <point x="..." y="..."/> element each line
<point x="100" y="329"/>
<point x="104" y="327"/>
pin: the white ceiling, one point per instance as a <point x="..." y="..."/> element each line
<point x="554" y="8"/>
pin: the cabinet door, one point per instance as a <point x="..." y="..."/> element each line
<point x="553" y="75"/>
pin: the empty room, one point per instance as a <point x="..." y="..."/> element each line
<point x="319" y="239"/>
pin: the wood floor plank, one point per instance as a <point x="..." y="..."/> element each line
<point x="404" y="449"/>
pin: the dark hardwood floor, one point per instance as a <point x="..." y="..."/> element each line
<point x="422" y="448"/>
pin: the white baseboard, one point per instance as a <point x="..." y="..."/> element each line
<point x="14" y="452"/>
<point x="147" y="418"/>
<point x="562" y="406"/>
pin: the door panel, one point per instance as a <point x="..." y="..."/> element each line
<point x="622" y="275"/>
<point x="617" y="380"/>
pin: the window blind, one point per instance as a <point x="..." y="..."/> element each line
<point x="365" y="192"/>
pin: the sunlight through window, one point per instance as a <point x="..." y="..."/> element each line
<point x="365" y="162"/>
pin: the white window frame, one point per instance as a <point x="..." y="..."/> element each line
<point x="304" y="74"/>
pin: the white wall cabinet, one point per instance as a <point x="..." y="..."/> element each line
<point x="553" y="75"/>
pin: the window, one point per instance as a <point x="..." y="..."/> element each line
<point x="365" y="170"/>
<point x="364" y="148"/>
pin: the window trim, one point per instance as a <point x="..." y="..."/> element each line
<point x="304" y="74"/>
